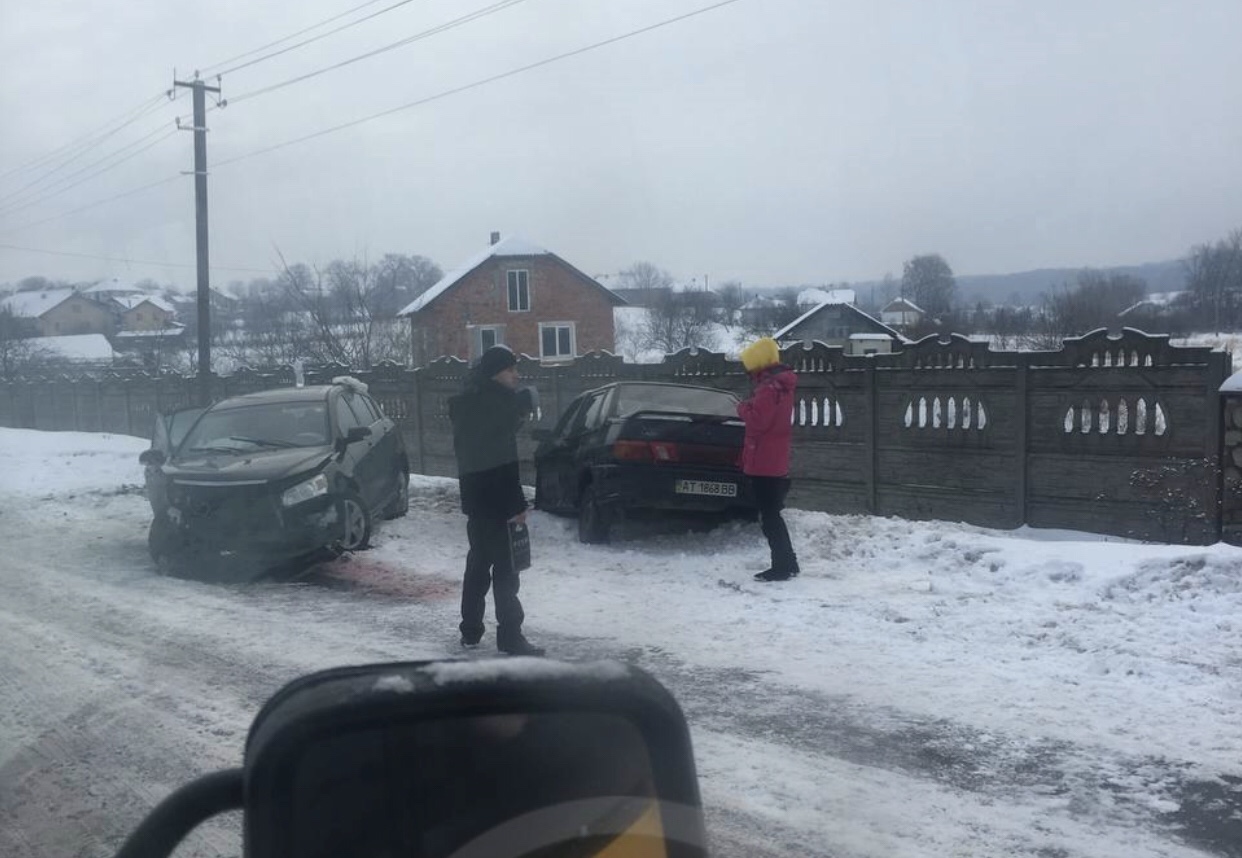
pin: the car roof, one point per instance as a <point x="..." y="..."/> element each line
<point x="613" y="384"/>
<point x="311" y="393"/>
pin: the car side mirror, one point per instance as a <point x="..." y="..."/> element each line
<point x="152" y="457"/>
<point x="501" y="757"/>
<point x="356" y="434"/>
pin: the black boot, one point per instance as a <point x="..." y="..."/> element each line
<point x="518" y="645"/>
<point x="775" y="575"/>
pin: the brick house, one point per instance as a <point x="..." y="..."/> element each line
<point x="518" y="294"/>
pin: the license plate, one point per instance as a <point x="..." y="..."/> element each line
<point x="704" y="487"/>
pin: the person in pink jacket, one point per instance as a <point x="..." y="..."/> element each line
<point x="768" y="415"/>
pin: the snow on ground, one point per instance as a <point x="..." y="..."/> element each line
<point x="924" y="688"/>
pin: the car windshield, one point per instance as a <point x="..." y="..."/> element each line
<point x="680" y="400"/>
<point x="273" y="425"/>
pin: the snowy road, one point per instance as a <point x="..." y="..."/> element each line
<point x="923" y="690"/>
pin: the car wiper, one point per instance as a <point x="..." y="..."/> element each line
<point x="230" y="450"/>
<point x="263" y="442"/>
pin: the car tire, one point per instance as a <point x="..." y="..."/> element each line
<point x="162" y="544"/>
<point x="594" y="523"/>
<point x="355" y="523"/>
<point x="400" y="505"/>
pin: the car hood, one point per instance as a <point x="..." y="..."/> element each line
<point x="253" y="466"/>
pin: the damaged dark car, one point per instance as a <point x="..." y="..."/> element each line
<point x="262" y="479"/>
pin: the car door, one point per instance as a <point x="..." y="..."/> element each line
<point x="553" y="459"/>
<point x="357" y="460"/>
<point x="385" y="447"/>
<point x="577" y="446"/>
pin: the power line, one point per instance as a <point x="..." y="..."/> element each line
<point x="479" y="83"/>
<point x="127" y="260"/>
<point x="130" y="193"/>
<point x="208" y="70"/>
<point x="313" y="39"/>
<point x="449" y="25"/>
<point x="84" y="149"/>
<point x="65" y="183"/>
<point x="141" y="110"/>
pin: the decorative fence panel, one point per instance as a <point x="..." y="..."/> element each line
<point x="1120" y="434"/>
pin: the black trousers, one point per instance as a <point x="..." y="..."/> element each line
<point x="770" y="495"/>
<point x="489" y="566"/>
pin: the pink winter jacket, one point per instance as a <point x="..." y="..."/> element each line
<point x="768" y="415"/>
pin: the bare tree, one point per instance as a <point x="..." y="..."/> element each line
<point x="19" y="350"/>
<point x="928" y="281"/>
<point x="1214" y="277"/>
<point x="674" y="323"/>
<point x="732" y="297"/>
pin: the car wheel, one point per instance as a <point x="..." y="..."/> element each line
<point x="401" y="503"/>
<point x="593" y="521"/>
<point x="162" y="544"/>
<point x="355" y="523"/>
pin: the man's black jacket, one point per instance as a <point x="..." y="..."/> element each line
<point x="485" y="418"/>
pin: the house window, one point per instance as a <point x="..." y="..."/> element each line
<point x="483" y="337"/>
<point x="556" y="340"/>
<point x="519" y="291"/>
<point x="138" y="316"/>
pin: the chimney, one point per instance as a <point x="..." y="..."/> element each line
<point x="495" y="238"/>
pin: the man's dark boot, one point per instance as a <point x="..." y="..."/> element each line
<point x="518" y="645"/>
<point x="775" y="575"/>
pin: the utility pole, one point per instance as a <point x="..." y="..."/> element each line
<point x="200" y="90"/>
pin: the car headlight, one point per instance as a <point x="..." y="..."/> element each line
<point x="315" y="487"/>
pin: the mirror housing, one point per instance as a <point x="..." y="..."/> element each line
<point x="152" y="457"/>
<point x="495" y="757"/>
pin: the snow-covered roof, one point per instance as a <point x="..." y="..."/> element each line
<point x="872" y="335"/>
<point x="511" y="246"/>
<point x="815" y="297"/>
<point x="897" y="305"/>
<point x="32" y="305"/>
<point x="174" y="330"/>
<point x="129" y="302"/>
<point x="76" y="347"/>
<point x="761" y="302"/>
<point x="809" y="313"/>
<point x="112" y="284"/>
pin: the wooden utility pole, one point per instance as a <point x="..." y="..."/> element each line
<point x="200" y="90"/>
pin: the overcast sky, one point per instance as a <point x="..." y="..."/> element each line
<point x="771" y="141"/>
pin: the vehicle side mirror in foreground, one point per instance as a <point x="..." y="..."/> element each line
<point x="152" y="457"/>
<point x="357" y="433"/>
<point x="500" y="758"/>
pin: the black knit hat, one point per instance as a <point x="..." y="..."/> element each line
<point x="494" y="360"/>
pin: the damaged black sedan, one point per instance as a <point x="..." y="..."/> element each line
<point x="264" y="478"/>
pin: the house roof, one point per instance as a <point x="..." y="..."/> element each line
<point x="32" y="305"/>
<point x="129" y="302"/>
<point x="783" y="332"/>
<point x="511" y="246"/>
<point x="761" y="302"/>
<point x="897" y="305"/>
<point x="76" y="347"/>
<point x="815" y="297"/>
<point x="173" y="330"/>
<point x="112" y="284"/>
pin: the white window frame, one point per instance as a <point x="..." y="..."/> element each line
<point x="521" y="278"/>
<point x="475" y="332"/>
<point x="573" y="340"/>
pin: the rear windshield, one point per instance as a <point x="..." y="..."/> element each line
<point x="680" y="400"/>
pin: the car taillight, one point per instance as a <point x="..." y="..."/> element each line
<point x="632" y="451"/>
<point x="646" y="451"/>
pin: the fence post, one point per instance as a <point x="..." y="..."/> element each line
<point x="418" y="421"/>
<point x="1219" y="367"/>
<point x="873" y="436"/>
<point x="1022" y="427"/>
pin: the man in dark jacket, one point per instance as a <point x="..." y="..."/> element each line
<point x="485" y="418"/>
<point x="768" y="415"/>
